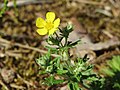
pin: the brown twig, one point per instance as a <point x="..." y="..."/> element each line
<point x="89" y="2"/>
<point x="24" y="46"/>
<point x="99" y="46"/>
<point x="17" y="87"/>
<point x="115" y="3"/>
<point x="104" y="57"/>
<point x="26" y="82"/>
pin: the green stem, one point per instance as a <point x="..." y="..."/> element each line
<point x="4" y="8"/>
<point x="61" y="45"/>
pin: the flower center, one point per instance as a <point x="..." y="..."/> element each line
<point x="49" y="25"/>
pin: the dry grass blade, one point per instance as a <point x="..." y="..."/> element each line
<point x="17" y="87"/>
<point x="26" y="2"/>
<point x="6" y="88"/>
<point x="89" y="2"/>
<point x="115" y="3"/>
<point x="26" y="82"/>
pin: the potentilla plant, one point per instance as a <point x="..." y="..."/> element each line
<point x="77" y="74"/>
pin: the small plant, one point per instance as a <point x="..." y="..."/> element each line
<point x="112" y="72"/>
<point x="78" y="74"/>
<point x="5" y="7"/>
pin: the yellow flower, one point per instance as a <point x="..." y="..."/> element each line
<point x="48" y="26"/>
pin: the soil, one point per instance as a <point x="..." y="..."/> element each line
<point x="20" y="45"/>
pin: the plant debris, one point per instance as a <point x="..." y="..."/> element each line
<point x="20" y="45"/>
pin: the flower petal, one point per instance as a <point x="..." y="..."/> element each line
<point x="40" y="22"/>
<point x="56" y="23"/>
<point x="52" y="31"/>
<point x="42" y="31"/>
<point x="50" y="16"/>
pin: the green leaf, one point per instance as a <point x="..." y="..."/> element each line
<point x="73" y="86"/>
<point x="49" y="68"/>
<point x="92" y="78"/>
<point x="108" y="71"/>
<point x="44" y="61"/>
<point x="52" y="81"/>
<point x="87" y="72"/>
<point x="70" y="27"/>
<point x="4" y="9"/>
<point x="52" y="41"/>
<point x="74" y="43"/>
<point x="62" y="71"/>
<point x="42" y="72"/>
<point x="116" y="85"/>
<point x="49" y="80"/>
<point x="52" y="49"/>
<point x="116" y="63"/>
<point x="58" y="81"/>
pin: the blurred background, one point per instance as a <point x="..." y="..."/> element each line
<point x="96" y="23"/>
